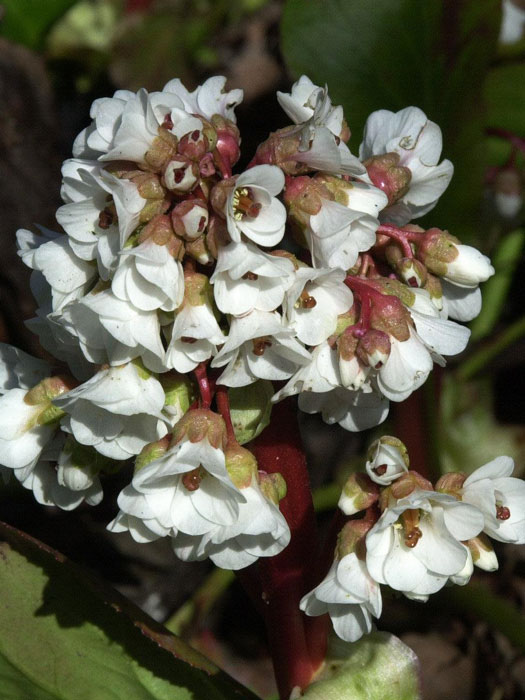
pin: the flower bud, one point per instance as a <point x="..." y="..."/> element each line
<point x="228" y="140"/>
<point x="199" y="424"/>
<point x="179" y="394"/>
<point x="273" y="486"/>
<point x="180" y="175"/>
<point x="282" y="148"/>
<point x="241" y="465"/>
<point x="78" y="465"/>
<point x="412" y="271"/>
<point x="482" y="552"/>
<point x="469" y="268"/>
<point x="508" y="192"/>
<point x="359" y="492"/>
<point x="386" y="174"/>
<point x="402" y="487"/>
<point x="193" y="145"/>
<point x="42" y="395"/>
<point x="387" y="460"/>
<point x="217" y="235"/>
<point x="219" y="195"/>
<point x="352" y="538"/>
<point x="151" y="452"/>
<point x="373" y="349"/>
<point x="190" y="218"/>
<point x="199" y="251"/>
<point x="162" y="149"/>
<point x="160" y="231"/>
<point x="451" y="483"/>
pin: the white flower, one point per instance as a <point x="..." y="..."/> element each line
<point x="193" y="475"/>
<point x="418" y="142"/>
<point x="415" y="546"/>
<point x="68" y="276"/>
<point x="300" y="105"/>
<point x="252" y="208"/>
<point x="106" y="113"/>
<point x="42" y="480"/>
<point x="314" y="301"/>
<point x="207" y="99"/>
<point x="145" y="515"/>
<point x="85" y="190"/>
<point x="353" y="410"/>
<point x="469" y="268"/>
<point x="387" y="464"/>
<point x="260" y="530"/>
<point x="349" y="595"/>
<point x="246" y="278"/>
<point x="259" y="346"/>
<point x="501" y="499"/>
<point x="513" y="22"/>
<point x="118" y="411"/>
<point x="114" y="331"/>
<point x="195" y="333"/>
<point x="149" y="277"/>
<point x="460" y="303"/>
<point x="406" y="368"/>
<point x="338" y="232"/>
<point x="18" y="370"/>
<point x="319" y="375"/>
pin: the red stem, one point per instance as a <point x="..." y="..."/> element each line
<point x="287" y="577"/>
<point x="223" y="406"/>
<point x="402" y="237"/>
<point x="204" y="385"/>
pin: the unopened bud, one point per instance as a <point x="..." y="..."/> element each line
<point x="190" y="218"/>
<point x="508" y="192"/>
<point x="199" y="424"/>
<point x="228" y="140"/>
<point x="220" y="194"/>
<point x="193" y="145"/>
<point x="180" y="175"/>
<point x="179" y="394"/>
<point x="387" y="460"/>
<point x="386" y="174"/>
<point x="151" y="452"/>
<point x="412" y="271"/>
<point x="482" y="552"/>
<point x="451" y="483"/>
<point x="199" y="251"/>
<point x="79" y="464"/>
<point x="162" y="149"/>
<point x="273" y="486"/>
<point x="373" y="349"/>
<point x="282" y="148"/>
<point x="359" y="492"/>
<point x="351" y="538"/>
<point x="446" y="257"/>
<point x="402" y="487"/>
<point x="241" y="465"/>
<point x="217" y="235"/>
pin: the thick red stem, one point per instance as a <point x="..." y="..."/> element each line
<point x="223" y="406"/>
<point x="287" y="577"/>
<point x="204" y="385"/>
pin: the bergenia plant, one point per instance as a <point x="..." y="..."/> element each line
<point x="176" y="286"/>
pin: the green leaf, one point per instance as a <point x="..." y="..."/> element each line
<point x="28" y="21"/>
<point x="376" y="667"/>
<point x="495" y="291"/>
<point x="65" y="635"/>
<point x="505" y="98"/>
<point x="389" y="55"/>
<point x="250" y="409"/>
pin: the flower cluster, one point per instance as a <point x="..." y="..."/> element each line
<point x="412" y="537"/>
<point x="174" y="281"/>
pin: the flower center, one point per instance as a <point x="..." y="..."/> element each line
<point x="381" y="469"/>
<point x="260" y="345"/>
<point x="250" y="276"/>
<point x="410" y="524"/>
<point x="192" y="480"/>
<point x="306" y="301"/>
<point x="502" y="512"/>
<point x="244" y="205"/>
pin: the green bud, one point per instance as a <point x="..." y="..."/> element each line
<point x="151" y="452"/>
<point x="250" y="409"/>
<point x="273" y="486"/>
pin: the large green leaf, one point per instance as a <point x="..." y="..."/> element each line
<point x="65" y="635"/>
<point x="28" y="21"/>
<point x="388" y="55"/>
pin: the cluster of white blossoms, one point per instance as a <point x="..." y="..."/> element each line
<point x="414" y="538"/>
<point x="174" y="280"/>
